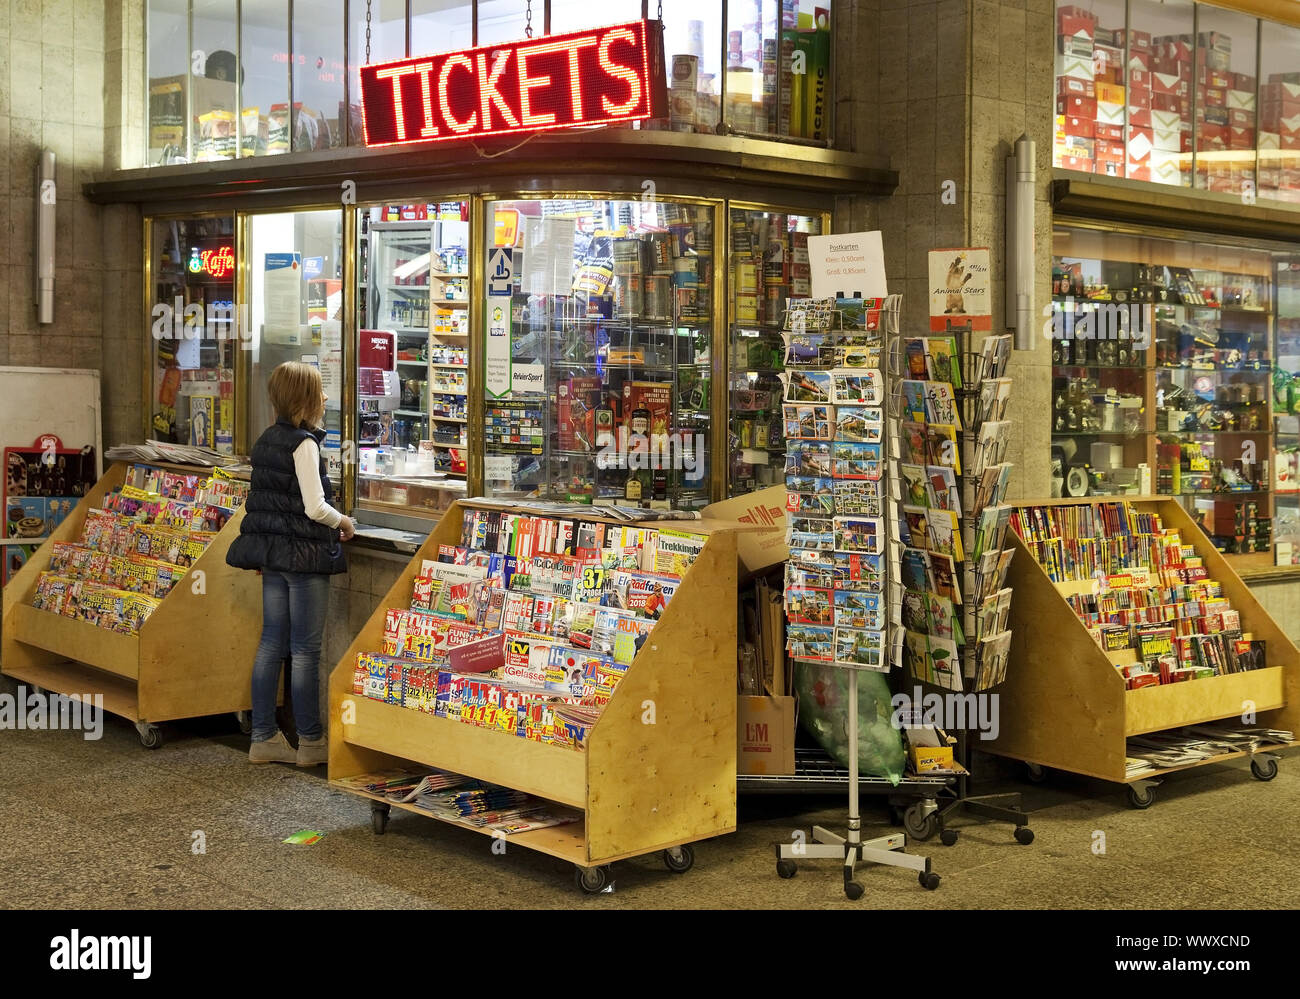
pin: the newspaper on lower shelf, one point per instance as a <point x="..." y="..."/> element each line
<point x="177" y="454"/>
<point x="1196" y="743"/>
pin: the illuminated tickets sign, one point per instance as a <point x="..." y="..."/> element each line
<point x="557" y="81"/>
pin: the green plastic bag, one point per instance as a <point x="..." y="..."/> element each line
<point x="823" y="711"/>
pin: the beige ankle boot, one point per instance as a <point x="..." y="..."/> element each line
<point x="311" y="752"/>
<point x="274" y="750"/>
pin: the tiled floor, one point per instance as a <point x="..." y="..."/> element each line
<point x="96" y="824"/>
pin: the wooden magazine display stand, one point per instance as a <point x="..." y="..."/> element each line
<point x="659" y="768"/>
<point x="193" y="655"/>
<point x="1065" y="704"/>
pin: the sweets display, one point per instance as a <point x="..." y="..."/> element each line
<point x="136" y="547"/>
<point x="527" y="624"/>
<point x="1152" y="593"/>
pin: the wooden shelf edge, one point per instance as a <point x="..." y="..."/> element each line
<point x="113" y="652"/>
<point x="73" y="678"/>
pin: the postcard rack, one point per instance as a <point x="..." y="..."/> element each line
<point x="930" y="816"/>
<point x="1064" y="705"/>
<point x="642" y="786"/>
<point x="186" y="661"/>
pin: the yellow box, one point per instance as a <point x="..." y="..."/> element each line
<point x="930" y="758"/>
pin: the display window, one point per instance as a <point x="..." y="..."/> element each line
<point x="769" y="265"/>
<point x="1286" y="406"/>
<point x="1179" y="93"/>
<point x="1172" y="367"/>
<point x="598" y="349"/>
<point x="413" y="354"/>
<point x="194" y="339"/>
<point x="294" y="269"/>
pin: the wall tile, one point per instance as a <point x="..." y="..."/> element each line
<point x="88" y="24"/>
<point x="57" y="86"/>
<point x="88" y="87"/>
<point x="25" y="20"/>
<point x="25" y="85"/>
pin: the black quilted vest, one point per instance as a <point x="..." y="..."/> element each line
<point x="276" y="532"/>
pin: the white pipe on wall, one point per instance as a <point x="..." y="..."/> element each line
<point x="1021" y="181"/>
<point x="43" y="244"/>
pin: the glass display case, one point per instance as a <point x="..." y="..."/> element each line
<point x="194" y="338"/>
<point x="295" y="302"/>
<point x="1164" y="376"/>
<point x="769" y="264"/>
<point x="413" y="352"/>
<point x="598" y="356"/>
<point x="1286" y="406"/>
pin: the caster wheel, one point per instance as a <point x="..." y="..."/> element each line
<point x="929" y="880"/>
<point x="853" y="890"/>
<point x="1263" y="770"/>
<point x="1141" y="798"/>
<point x="786" y="869"/>
<point x="150" y="735"/>
<point x="684" y="861"/>
<point x="1024" y="835"/>
<point x="1037" y="774"/>
<point x="379" y="818"/>
<point x="592" y="880"/>
<point x="949" y="837"/>
<point x="245" y="719"/>
<point x="917" y="825"/>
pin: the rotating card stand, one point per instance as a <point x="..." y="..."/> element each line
<point x="929" y="816"/>
<point x="850" y="849"/>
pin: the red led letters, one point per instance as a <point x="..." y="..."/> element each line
<point x="585" y="78"/>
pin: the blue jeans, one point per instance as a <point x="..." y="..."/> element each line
<point x="293" y="621"/>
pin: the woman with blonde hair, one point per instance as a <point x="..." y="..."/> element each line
<point x="292" y="535"/>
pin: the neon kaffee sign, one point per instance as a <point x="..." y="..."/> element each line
<point x="593" y="77"/>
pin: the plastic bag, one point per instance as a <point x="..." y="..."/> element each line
<point x="823" y="702"/>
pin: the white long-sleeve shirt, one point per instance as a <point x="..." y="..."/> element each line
<point x="306" y="463"/>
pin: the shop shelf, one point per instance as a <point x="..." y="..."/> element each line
<point x="641" y="788"/>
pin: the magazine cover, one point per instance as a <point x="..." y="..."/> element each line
<point x="644" y="594"/>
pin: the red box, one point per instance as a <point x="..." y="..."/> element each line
<point x="1214" y="78"/>
<point x="1110" y="168"/>
<point x="1109" y="133"/>
<point x="1168" y="83"/>
<point x="1140" y="60"/>
<point x="1170" y="102"/>
<point x="1139" y="171"/>
<point x="1077" y="107"/>
<point x="1175" y="49"/>
<point x="1212" y="137"/>
<point x="1284" y="95"/>
<point x="1069" y="86"/>
<point x="1241" y="119"/>
<point x="1241" y="138"/>
<point x="1139" y="97"/>
<point x="1140" y="144"/>
<point x="1212" y="97"/>
<point x="1075" y="21"/>
<point x="1139" y="117"/>
<point x="1139" y="78"/>
<point x="1114" y="37"/>
<point x="1139" y="41"/>
<point x="1243" y="81"/>
<point x="1076" y="163"/>
<point x="1084" y="128"/>
<point x="1290" y="140"/>
<point x="1113" y="151"/>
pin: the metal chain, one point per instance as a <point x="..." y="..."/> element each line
<point x="660" y="18"/>
<point x="368" y="2"/>
<point x="528" y="20"/>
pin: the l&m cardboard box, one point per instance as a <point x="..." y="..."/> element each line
<point x="765" y="735"/>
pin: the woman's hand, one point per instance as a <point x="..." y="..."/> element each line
<point x="347" y="529"/>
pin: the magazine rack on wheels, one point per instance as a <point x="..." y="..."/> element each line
<point x="1065" y="706"/>
<point x="659" y="768"/>
<point x="186" y="660"/>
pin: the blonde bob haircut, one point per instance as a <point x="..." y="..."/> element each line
<point x="295" y="390"/>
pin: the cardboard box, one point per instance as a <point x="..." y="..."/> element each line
<point x="1110" y="114"/>
<point x="1139" y="41"/>
<point x="1075" y="145"/>
<point x="1139" y="60"/>
<point x="765" y="735"/>
<point x="1077" y="67"/>
<point x="1140" y="145"/>
<point x="1139" y="117"/>
<point x="1214" y="78"/>
<point x="1069" y="87"/>
<point x="1109" y="93"/>
<point x="1212" y="116"/>
<point x="1241" y="100"/>
<point x="1167" y="120"/>
<point x="1114" y="37"/>
<point x="1106" y="59"/>
<point x="1171" y="140"/>
<point x="925" y="758"/>
<point x="1076" y="107"/>
<point x="1166" y="168"/>
<point x="1216" y="60"/>
<point x="1241" y="119"/>
<point x="1080" y="163"/>
<point x="1243" y="81"/>
<point x="1068" y="127"/>
<point x="1138" y="171"/>
<point x="1212" y="97"/>
<point x="1211" y="137"/>
<point x="762" y="521"/>
<point x="1108" y="151"/>
<point x="1110" y="133"/>
<point x="1075" y="21"/>
<point x="1075" y="45"/>
<point x="1139" y="97"/>
<point x="1139" y="78"/>
<point x="1171" y="102"/>
<point x="1168" y="83"/>
<point x="1241" y="138"/>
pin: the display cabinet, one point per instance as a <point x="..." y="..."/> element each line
<point x="194" y="339"/>
<point x="768" y="265"/>
<point x="1166" y="377"/>
<point x="599" y="350"/>
<point x="413" y="353"/>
